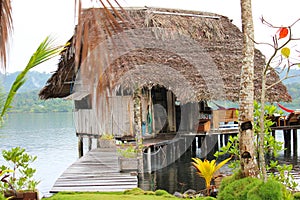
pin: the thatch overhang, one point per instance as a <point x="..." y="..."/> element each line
<point x="195" y="54"/>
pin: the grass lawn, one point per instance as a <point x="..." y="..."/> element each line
<point x="112" y="196"/>
<point x="135" y="194"/>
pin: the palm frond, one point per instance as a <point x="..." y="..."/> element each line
<point x="44" y="52"/>
<point x="6" y="28"/>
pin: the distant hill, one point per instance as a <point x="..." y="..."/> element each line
<point x="27" y="99"/>
<point x="35" y="81"/>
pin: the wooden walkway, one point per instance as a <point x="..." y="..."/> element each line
<point x="98" y="170"/>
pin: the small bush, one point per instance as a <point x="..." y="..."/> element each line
<point x="297" y="196"/>
<point x="161" y="193"/>
<point x="134" y="191"/>
<point x="254" y="189"/>
<point x="229" y="179"/>
<point x="269" y="189"/>
<point x="2" y="197"/>
<point x="149" y="193"/>
<point x="238" y="189"/>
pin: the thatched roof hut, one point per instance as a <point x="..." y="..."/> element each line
<point x="197" y="55"/>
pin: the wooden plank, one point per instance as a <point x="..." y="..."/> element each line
<point x="98" y="170"/>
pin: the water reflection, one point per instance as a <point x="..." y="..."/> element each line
<point x="178" y="176"/>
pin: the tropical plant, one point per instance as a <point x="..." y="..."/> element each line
<point x="272" y="147"/>
<point x="253" y="188"/>
<point x="107" y="136"/>
<point x="280" y="41"/>
<point x="127" y="152"/>
<point x="207" y="169"/>
<point x="18" y="175"/>
<point x="44" y="52"/>
<point x="5" y="29"/>
<point x="231" y="148"/>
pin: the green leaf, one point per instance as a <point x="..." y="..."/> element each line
<point x="44" y="52"/>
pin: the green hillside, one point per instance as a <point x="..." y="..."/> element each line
<point x="27" y="100"/>
<point x="30" y="102"/>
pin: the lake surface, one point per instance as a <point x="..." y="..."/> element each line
<point x="51" y="137"/>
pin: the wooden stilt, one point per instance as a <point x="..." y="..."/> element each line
<point x="98" y="143"/>
<point x="90" y="143"/>
<point x="80" y="146"/>
<point x="287" y="143"/>
<point x="295" y="143"/>
<point x="198" y="142"/>
<point x="149" y="159"/>
<point x="194" y="145"/>
<point x="225" y="139"/>
<point x="221" y="137"/>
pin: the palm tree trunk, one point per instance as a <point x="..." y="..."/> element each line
<point x="246" y="138"/>
<point x="138" y="129"/>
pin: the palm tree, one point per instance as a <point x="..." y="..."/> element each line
<point x="249" y="165"/>
<point x="5" y="30"/>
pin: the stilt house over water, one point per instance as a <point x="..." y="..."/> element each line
<point x="150" y="71"/>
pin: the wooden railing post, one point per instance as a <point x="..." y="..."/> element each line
<point x="80" y="146"/>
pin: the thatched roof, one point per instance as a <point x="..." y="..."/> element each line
<point x="195" y="54"/>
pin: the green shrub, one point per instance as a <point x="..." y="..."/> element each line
<point x="269" y="189"/>
<point x="297" y="196"/>
<point x="149" y="193"/>
<point x="229" y="179"/>
<point x="253" y="189"/>
<point x="2" y="197"/>
<point x="237" y="189"/>
<point x="135" y="191"/>
<point x="161" y="193"/>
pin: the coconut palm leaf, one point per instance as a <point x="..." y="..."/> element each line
<point x="5" y="29"/>
<point x="44" y="52"/>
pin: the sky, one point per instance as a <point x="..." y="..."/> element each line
<point x="34" y="20"/>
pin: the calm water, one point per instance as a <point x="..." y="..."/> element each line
<point x="51" y="137"/>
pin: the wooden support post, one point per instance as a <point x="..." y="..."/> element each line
<point x="221" y="136"/>
<point x="287" y="143"/>
<point x="80" y="146"/>
<point x="225" y="139"/>
<point x="204" y="146"/>
<point x="178" y="149"/>
<point x="216" y="139"/>
<point x="174" y="151"/>
<point x="149" y="159"/>
<point x="295" y="143"/>
<point x="98" y="143"/>
<point x="90" y="143"/>
<point x="194" y="145"/>
<point x="198" y="142"/>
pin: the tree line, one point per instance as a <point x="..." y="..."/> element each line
<point x="30" y="102"/>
